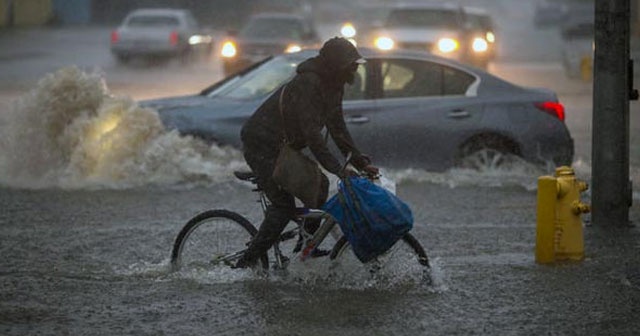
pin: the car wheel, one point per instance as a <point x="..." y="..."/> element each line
<point x="488" y="153"/>
<point x="486" y="159"/>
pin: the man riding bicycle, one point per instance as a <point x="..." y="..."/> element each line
<point x="311" y="101"/>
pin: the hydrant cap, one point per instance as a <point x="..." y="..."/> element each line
<point x="564" y="171"/>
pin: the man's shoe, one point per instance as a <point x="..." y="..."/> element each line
<point x="244" y="263"/>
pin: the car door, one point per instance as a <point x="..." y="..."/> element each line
<point x="358" y="105"/>
<point x="422" y="111"/>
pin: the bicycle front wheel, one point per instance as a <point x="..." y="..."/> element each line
<point x="211" y="238"/>
<point x="407" y="248"/>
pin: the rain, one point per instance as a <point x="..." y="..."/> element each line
<point x="94" y="190"/>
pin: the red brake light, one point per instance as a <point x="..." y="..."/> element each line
<point x="553" y="108"/>
<point x="114" y="36"/>
<point x="173" y="38"/>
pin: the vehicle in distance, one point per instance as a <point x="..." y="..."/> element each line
<point x="160" y="33"/>
<point x="406" y="109"/>
<point x="578" y="48"/>
<point x="442" y="29"/>
<point x="481" y="32"/>
<point x="264" y="35"/>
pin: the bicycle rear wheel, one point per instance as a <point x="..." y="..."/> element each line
<point x="406" y="248"/>
<point x="211" y="238"/>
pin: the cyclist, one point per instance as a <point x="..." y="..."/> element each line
<point x="312" y="101"/>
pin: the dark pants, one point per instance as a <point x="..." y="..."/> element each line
<point x="261" y="158"/>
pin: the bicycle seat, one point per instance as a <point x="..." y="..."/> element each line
<point x="245" y="175"/>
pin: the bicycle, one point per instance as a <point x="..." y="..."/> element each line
<point x="220" y="237"/>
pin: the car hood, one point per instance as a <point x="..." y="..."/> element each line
<point x="418" y="35"/>
<point x="195" y="113"/>
<point x="175" y="103"/>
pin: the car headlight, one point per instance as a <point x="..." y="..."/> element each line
<point x="292" y="48"/>
<point x="479" y="45"/>
<point x="384" y="43"/>
<point x="228" y="50"/>
<point x="198" y="39"/>
<point x="447" y="45"/>
<point x="348" y="30"/>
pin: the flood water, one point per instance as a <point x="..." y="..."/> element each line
<point x="93" y="191"/>
<point x="85" y="240"/>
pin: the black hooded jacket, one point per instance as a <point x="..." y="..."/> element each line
<point x="312" y="100"/>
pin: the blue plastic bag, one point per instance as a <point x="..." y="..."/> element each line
<point x="372" y="218"/>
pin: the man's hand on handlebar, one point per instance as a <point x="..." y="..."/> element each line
<point x="371" y="171"/>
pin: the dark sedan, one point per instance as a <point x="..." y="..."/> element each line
<point x="265" y="35"/>
<point x="405" y="109"/>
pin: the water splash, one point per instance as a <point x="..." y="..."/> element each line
<point x="70" y="132"/>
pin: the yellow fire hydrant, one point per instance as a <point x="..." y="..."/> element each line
<point x="559" y="235"/>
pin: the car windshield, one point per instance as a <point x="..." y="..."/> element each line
<point x="259" y="82"/>
<point x="273" y="28"/>
<point x="422" y="18"/>
<point x="153" y="21"/>
<point x="479" y="21"/>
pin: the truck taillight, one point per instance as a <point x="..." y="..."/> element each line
<point x="553" y="108"/>
<point x="173" y="38"/>
<point x="114" y="36"/>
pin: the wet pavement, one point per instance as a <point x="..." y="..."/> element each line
<point x="96" y="263"/>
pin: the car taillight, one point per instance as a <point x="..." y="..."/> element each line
<point x="173" y="38"/>
<point x="114" y="36"/>
<point x="553" y="108"/>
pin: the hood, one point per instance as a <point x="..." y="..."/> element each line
<point x="334" y="56"/>
<point x="174" y="103"/>
<point x="186" y="113"/>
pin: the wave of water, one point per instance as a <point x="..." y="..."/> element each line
<point x="70" y="132"/>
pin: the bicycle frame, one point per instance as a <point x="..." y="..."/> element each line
<point x="310" y="242"/>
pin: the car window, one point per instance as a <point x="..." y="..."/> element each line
<point x="356" y="91"/>
<point x="268" y="28"/>
<point x="412" y="78"/>
<point x="259" y="82"/>
<point x="153" y="21"/>
<point x="423" y="18"/>
<point x="477" y="21"/>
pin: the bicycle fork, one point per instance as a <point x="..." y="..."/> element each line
<point x="318" y="236"/>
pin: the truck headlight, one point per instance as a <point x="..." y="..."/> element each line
<point x="447" y="45"/>
<point x="490" y="37"/>
<point x="384" y="43"/>
<point x="228" y="50"/>
<point x="479" y="45"/>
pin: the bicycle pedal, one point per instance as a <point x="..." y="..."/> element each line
<point x="317" y="253"/>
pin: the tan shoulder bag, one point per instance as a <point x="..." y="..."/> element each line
<point x="295" y="172"/>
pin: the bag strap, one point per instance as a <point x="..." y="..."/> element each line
<point x="284" y="124"/>
<point x="350" y="221"/>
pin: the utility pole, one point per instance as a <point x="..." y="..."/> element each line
<point x="612" y="89"/>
